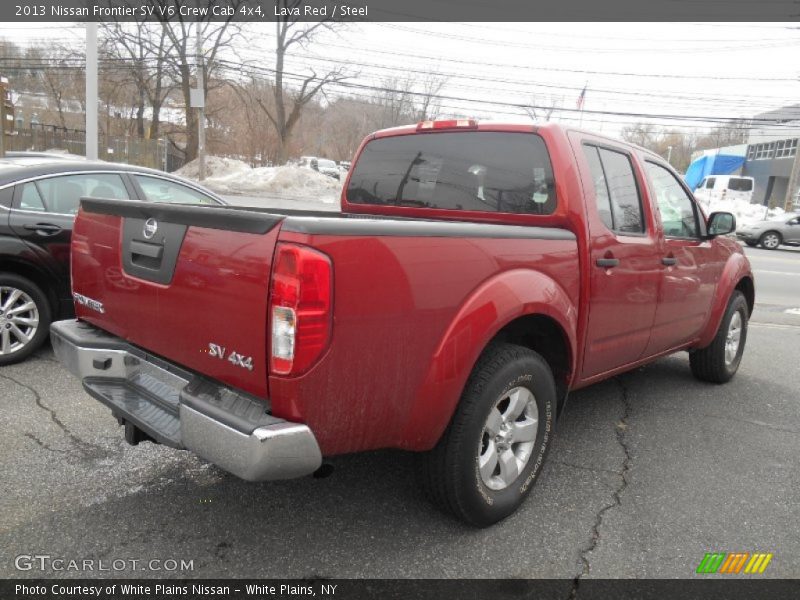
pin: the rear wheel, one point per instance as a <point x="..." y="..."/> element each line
<point x="751" y="244"/>
<point x="719" y="361"/>
<point x="24" y="318"/>
<point x="770" y="240"/>
<point x="491" y="453"/>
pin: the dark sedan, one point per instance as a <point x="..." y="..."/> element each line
<point x="39" y="198"/>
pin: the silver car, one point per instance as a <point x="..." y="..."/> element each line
<point x="773" y="233"/>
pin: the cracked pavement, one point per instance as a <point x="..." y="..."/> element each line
<point x="648" y="471"/>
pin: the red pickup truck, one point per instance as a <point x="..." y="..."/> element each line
<point x="476" y="274"/>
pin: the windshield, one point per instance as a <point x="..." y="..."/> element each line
<point x="475" y="171"/>
<point x="327" y="164"/>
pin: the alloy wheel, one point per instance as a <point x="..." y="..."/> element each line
<point x="508" y="438"/>
<point x="19" y="320"/>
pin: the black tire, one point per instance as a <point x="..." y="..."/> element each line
<point x="766" y="240"/>
<point x="751" y="244"/>
<point x="450" y="472"/>
<point x="710" y="363"/>
<point x="43" y="313"/>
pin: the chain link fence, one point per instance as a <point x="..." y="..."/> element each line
<point x="156" y="154"/>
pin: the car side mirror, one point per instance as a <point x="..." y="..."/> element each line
<point x="721" y="223"/>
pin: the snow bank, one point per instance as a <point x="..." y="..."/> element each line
<point x="230" y="176"/>
<point x="745" y="212"/>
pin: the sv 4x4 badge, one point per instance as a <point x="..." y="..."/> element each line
<point x="236" y="359"/>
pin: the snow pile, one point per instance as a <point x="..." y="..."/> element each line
<point x="745" y="212"/>
<point x="230" y="176"/>
<point x="216" y="166"/>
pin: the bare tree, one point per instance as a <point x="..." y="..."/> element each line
<point x="180" y="53"/>
<point x="431" y="87"/>
<point x="541" y="108"/>
<point x="288" y="102"/>
<point x="641" y="134"/>
<point x="141" y="50"/>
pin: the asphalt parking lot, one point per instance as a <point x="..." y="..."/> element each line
<point x="649" y="471"/>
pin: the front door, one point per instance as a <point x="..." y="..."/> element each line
<point x="624" y="251"/>
<point x="692" y="265"/>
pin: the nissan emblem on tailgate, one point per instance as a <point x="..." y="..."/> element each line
<point x="150" y="228"/>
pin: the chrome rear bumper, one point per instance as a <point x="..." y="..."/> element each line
<point x="184" y="410"/>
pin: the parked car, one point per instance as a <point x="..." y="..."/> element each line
<point x="326" y="167"/>
<point x="724" y="187"/>
<point x="39" y="197"/>
<point x="772" y="233"/>
<point x="344" y="165"/>
<point x="476" y="275"/>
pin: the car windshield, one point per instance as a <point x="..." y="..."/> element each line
<point x="328" y="164"/>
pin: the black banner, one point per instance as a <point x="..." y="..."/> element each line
<point x="400" y="10"/>
<point x="402" y="589"/>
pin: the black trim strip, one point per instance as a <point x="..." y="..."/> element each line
<point x="210" y="217"/>
<point x="388" y="227"/>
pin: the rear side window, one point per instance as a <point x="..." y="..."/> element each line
<point x="738" y="184"/>
<point x="617" y="193"/>
<point x="30" y="199"/>
<point x="63" y="194"/>
<point x="475" y="171"/>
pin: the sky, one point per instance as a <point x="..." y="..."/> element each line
<point x="706" y="71"/>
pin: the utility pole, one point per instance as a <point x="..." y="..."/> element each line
<point x="201" y="121"/>
<point x="669" y="154"/>
<point x="794" y="184"/>
<point x="3" y="91"/>
<point x="91" y="91"/>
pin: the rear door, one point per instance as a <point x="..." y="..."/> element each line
<point x="624" y="251"/>
<point x="44" y="209"/>
<point x="739" y="188"/>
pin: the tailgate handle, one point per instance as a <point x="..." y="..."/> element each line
<point x="148" y="250"/>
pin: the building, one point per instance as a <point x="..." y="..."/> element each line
<point x="772" y="157"/>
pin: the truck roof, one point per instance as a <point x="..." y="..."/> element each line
<point x="511" y="126"/>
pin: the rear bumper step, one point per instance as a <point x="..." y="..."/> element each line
<point x="184" y="410"/>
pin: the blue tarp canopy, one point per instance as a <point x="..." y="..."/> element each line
<point x="711" y="164"/>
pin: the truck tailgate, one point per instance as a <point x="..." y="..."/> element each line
<point x="187" y="283"/>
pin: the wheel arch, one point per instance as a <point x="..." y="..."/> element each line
<point x="510" y="306"/>
<point x="735" y="276"/>
<point x="38" y="276"/>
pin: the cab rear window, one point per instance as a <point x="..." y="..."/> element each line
<point x="465" y="171"/>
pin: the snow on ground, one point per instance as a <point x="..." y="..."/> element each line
<point x="744" y="211"/>
<point x="231" y="176"/>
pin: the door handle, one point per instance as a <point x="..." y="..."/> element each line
<point x="669" y="261"/>
<point x="607" y="263"/>
<point x="43" y="228"/>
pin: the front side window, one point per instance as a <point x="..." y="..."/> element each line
<point x="711" y="182"/>
<point x="480" y="171"/>
<point x="63" y="194"/>
<point x="163" y="190"/>
<point x="676" y="208"/>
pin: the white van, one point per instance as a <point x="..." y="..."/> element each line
<point x="724" y="187"/>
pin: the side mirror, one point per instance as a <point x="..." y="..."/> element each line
<point x="721" y="223"/>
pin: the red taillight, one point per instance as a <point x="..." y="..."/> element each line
<point x="300" y="308"/>
<point x="451" y="124"/>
